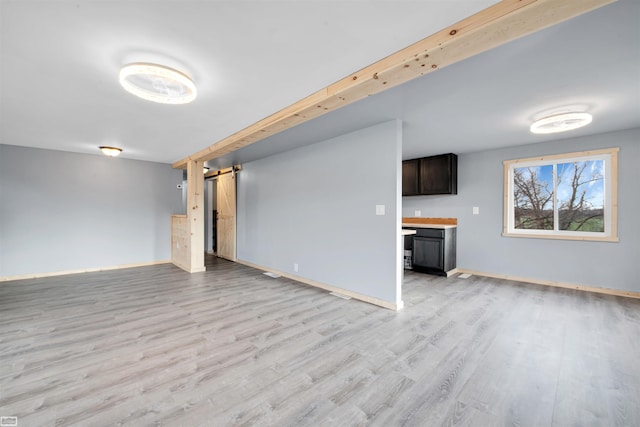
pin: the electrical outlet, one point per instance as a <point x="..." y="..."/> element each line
<point x="417" y="214"/>
<point x="379" y="209"/>
<point x="295" y="267"/>
<point x="476" y="210"/>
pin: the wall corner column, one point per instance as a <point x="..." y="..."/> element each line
<point x="195" y="215"/>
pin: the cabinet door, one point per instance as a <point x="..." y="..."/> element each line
<point x="410" y="173"/>
<point x="428" y="253"/>
<point x="439" y="174"/>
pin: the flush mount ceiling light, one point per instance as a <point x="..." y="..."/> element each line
<point x="560" y="122"/>
<point x="110" y="151"/>
<point x="157" y="83"/>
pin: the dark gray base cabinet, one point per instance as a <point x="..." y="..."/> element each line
<point x="434" y="250"/>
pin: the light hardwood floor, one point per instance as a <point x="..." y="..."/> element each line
<point x="233" y="347"/>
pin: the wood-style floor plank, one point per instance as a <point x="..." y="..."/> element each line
<point x="233" y="347"/>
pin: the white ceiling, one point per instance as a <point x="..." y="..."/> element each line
<point x="489" y="101"/>
<point x="60" y="64"/>
<point x="60" y="60"/>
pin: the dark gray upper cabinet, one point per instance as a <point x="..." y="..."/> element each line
<point x="410" y="177"/>
<point x="439" y="174"/>
<point x="435" y="175"/>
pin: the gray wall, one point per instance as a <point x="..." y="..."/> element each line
<point x="481" y="246"/>
<point x="316" y="206"/>
<point x="65" y="211"/>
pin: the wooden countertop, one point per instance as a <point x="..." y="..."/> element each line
<point x="414" y="225"/>
<point x="429" y="222"/>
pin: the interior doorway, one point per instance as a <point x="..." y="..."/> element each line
<point x="210" y="226"/>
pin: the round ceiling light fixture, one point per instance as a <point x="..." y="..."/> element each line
<point x="110" y="151"/>
<point x="157" y="83"/>
<point x="560" y="122"/>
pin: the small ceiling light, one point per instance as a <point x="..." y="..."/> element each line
<point x="157" y="83"/>
<point x="560" y="123"/>
<point x="205" y="169"/>
<point x="110" y="151"/>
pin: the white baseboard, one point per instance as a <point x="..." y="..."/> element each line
<point x="585" y="288"/>
<point x="330" y="288"/>
<point x="85" y="270"/>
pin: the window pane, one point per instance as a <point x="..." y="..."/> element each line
<point x="533" y="197"/>
<point x="580" y="189"/>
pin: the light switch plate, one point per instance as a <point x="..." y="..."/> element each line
<point x="476" y="210"/>
<point x="379" y="209"/>
<point x="417" y="214"/>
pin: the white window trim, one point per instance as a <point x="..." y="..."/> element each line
<point x="610" y="234"/>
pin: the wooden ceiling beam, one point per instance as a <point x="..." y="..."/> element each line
<point x="489" y="28"/>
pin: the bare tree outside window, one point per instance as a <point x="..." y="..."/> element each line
<point x="580" y="188"/>
<point x="533" y="197"/>
<point x="572" y="196"/>
<point x="579" y="192"/>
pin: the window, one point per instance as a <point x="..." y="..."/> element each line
<point x="565" y="196"/>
